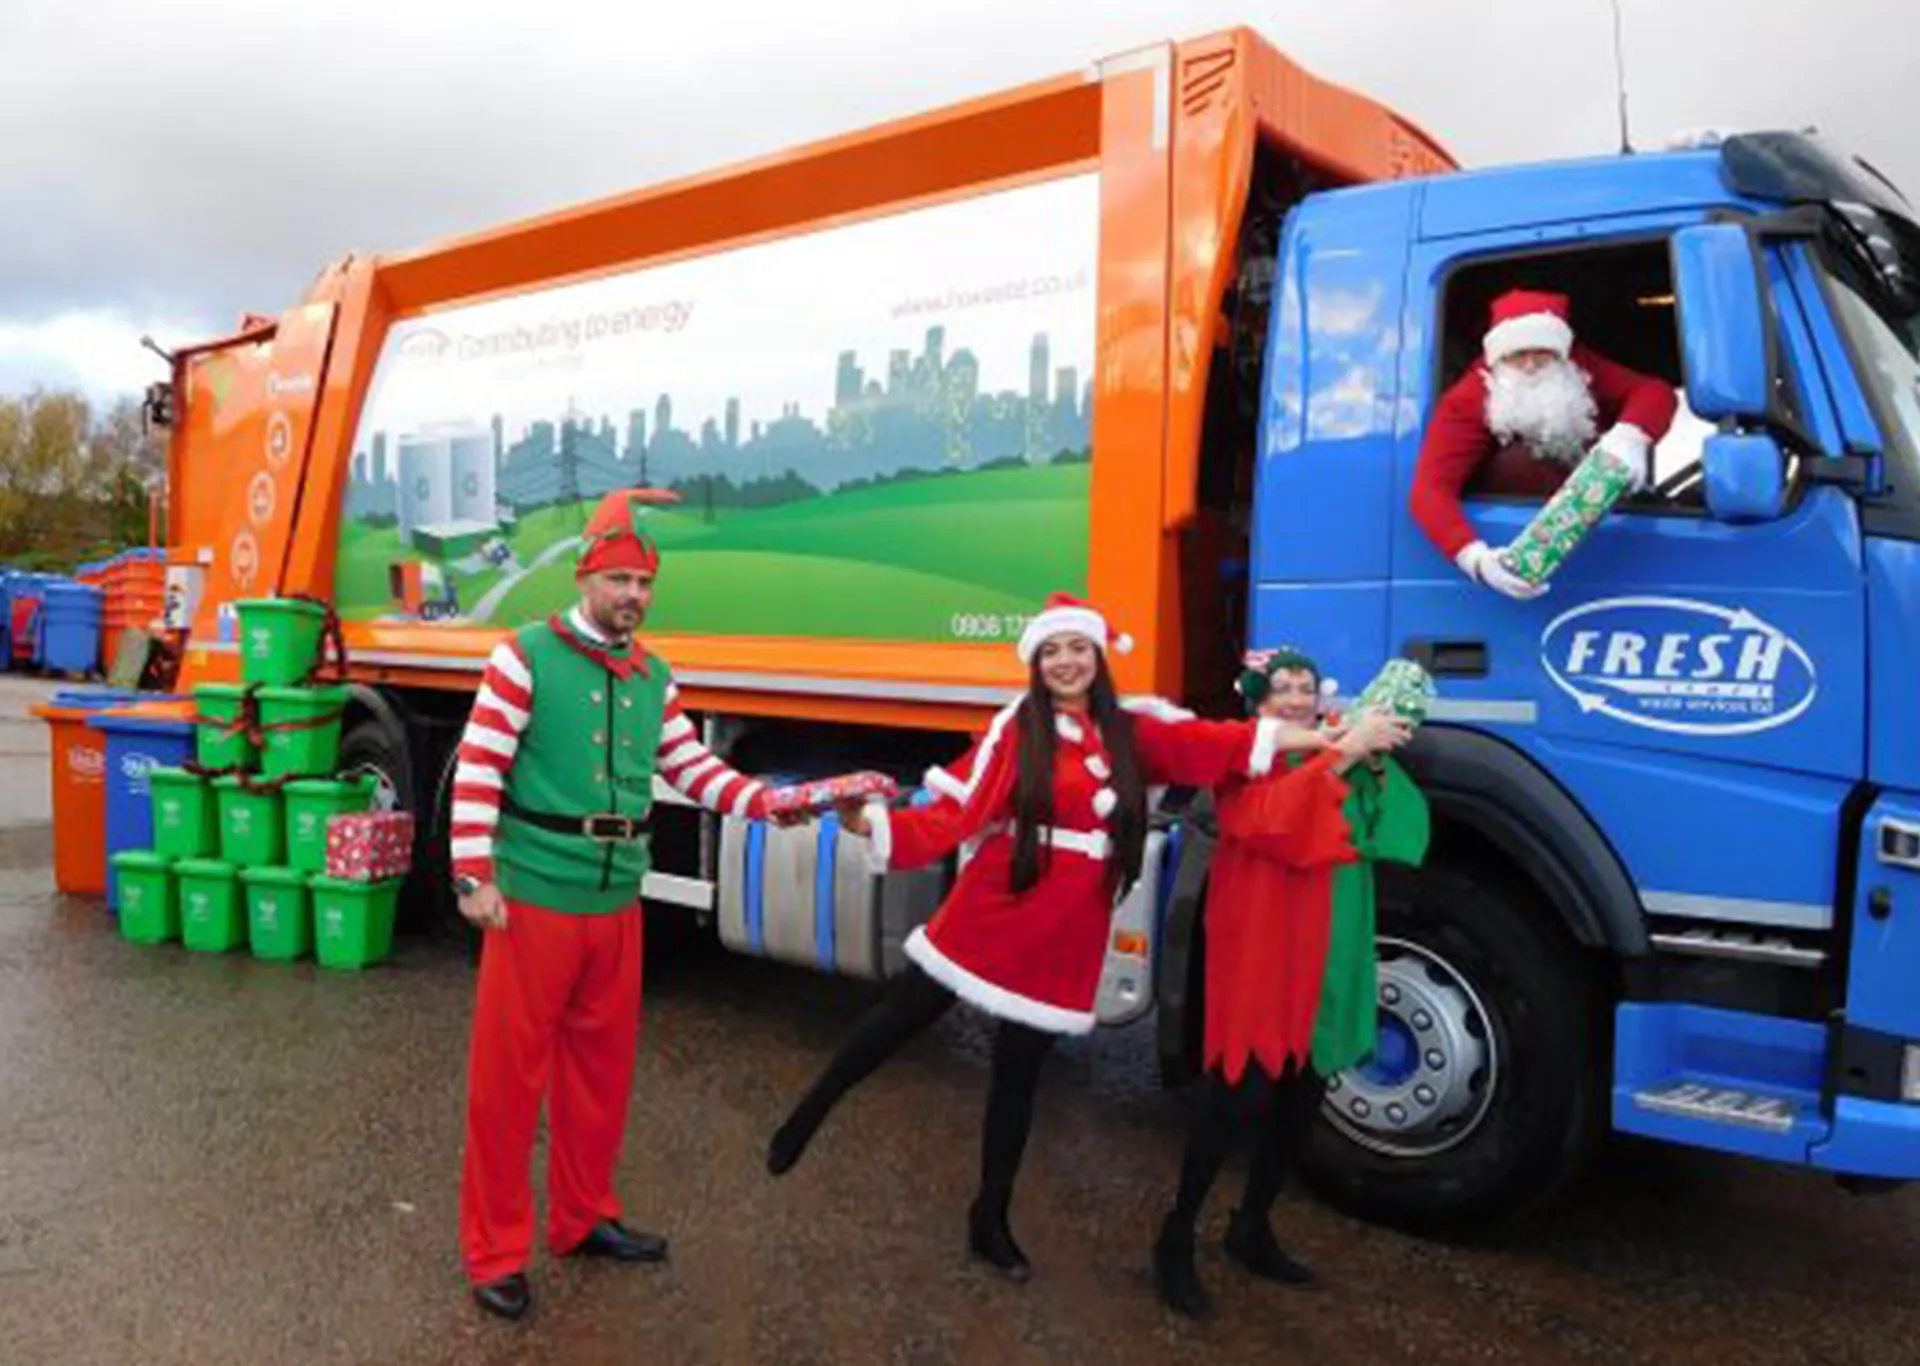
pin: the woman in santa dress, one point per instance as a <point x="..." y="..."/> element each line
<point x="1290" y="969"/>
<point x="1053" y="799"/>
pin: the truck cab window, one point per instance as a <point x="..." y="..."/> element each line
<point x="1622" y="308"/>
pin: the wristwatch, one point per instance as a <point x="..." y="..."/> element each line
<point x="466" y="884"/>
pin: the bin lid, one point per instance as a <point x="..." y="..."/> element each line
<point x="318" y="698"/>
<point x="93" y="698"/>
<point x="320" y="882"/>
<point x="169" y="776"/>
<point x="140" y="861"/>
<point x="272" y="876"/>
<point x="224" y="691"/>
<point x="124" y="723"/>
<point x="204" y="867"/>
<point x="228" y="782"/>
<point x="332" y="787"/>
<point x="295" y="606"/>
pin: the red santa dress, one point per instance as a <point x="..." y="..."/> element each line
<point x="1035" y="957"/>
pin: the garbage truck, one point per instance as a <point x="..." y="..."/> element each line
<point x="1165" y="332"/>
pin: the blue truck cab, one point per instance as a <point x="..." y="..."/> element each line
<point x="1676" y="878"/>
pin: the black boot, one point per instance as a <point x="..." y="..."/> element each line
<point x="1251" y="1243"/>
<point x="789" y="1142"/>
<point x="989" y="1239"/>
<point x="1175" y="1273"/>
<point x="506" y="1298"/>
<point x="614" y="1240"/>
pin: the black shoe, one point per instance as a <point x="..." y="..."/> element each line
<point x="989" y="1239"/>
<point x="1175" y="1273"/>
<point x="506" y="1298"/>
<point x="789" y="1142"/>
<point x="614" y="1240"/>
<point x="1251" y="1243"/>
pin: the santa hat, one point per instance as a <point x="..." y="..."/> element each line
<point x="1528" y="320"/>
<point x="616" y="535"/>
<point x="1065" y="614"/>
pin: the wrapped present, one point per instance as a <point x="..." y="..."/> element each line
<point x="1401" y="687"/>
<point x="1596" y="484"/>
<point x="370" y="846"/>
<point x="823" y="794"/>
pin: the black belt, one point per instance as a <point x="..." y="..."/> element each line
<point x="608" y="827"/>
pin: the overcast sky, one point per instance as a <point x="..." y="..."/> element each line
<point x="165" y="166"/>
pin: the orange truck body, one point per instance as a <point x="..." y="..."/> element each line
<point x="267" y="418"/>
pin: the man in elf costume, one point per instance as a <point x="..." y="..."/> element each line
<point x="552" y="788"/>
<point x="1290" y="969"/>
<point x="1520" y="419"/>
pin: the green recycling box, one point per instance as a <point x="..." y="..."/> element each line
<point x="252" y="830"/>
<point x="301" y="727"/>
<point x="185" y="822"/>
<point x="149" y="914"/>
<point x="218" y="705"/>
<point x="279" y="639"/>
<point x="311" y="803"/>
<point x="279" y="919"/>
<point x="212" y="918"/>
<point x="353" y="921"/>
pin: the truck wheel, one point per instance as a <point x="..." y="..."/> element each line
<point x="1484" y="1095"/>
<point x="372" y="746"/>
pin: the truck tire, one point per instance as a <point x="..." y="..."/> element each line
<point x="373" y="745"/>
<point x="1487" y="1093"/>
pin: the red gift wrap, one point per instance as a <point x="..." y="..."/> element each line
<point x="370" y="847"/>
<point x="823" y="794"/>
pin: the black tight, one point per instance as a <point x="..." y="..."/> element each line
<point x="1279" y="1112"/>
<point x="910" y="1004"/>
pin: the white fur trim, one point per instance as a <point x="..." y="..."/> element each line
<point x="1157" y="707"/>
<point x="1104" y="801"/>
<point x="937" y="779"/>
<point x="1060" y="621"/>
<point x="983" y="760"/>
<point x="1098" y="767"/>
<point x="988" y="996"/>
<point x="1530" y="332"/>
<point x="1069" y="729"/>
<point x="880" y="842"/>
<point x="1266" y="744"/>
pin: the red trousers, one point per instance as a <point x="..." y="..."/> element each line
<point x="557" y="1014"/>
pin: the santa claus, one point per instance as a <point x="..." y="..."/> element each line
<point x="1520" y="419"/>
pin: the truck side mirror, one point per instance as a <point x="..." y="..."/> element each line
<point x="1725" y="337"/>
<point x="1746" y="477"/>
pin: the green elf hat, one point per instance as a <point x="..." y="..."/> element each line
<point x="1259" y="666"/>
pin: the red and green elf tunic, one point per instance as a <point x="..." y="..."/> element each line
<point x="1291" y="970"/>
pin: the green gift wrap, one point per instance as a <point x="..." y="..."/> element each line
<point x="1401" y="687"/>
<point x="1596" y="484"/>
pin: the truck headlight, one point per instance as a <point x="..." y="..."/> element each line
<point x="1910" y="1075"/>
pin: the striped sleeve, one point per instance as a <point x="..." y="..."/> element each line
<point x="500" y="714"/>
<point x="700" y="775"/>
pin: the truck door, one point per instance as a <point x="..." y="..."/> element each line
<point x="1697" y="687"/>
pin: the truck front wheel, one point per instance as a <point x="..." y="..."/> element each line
<point x="1483" y="1096"/>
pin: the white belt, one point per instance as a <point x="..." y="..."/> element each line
<point x="1092" y="843"/>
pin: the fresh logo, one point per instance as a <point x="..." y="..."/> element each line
<point x="1678" y="665"/>
<point x="135" y="768"/>
<point x="86" y="763"/>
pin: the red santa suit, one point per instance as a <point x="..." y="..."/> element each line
<point x="1035" y="956"/>
<point x="1461" y="453"/>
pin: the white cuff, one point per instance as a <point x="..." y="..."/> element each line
<point x="1468" y="560"/>
<point x="880" y="841"/>
<point x="1266" y="744"/>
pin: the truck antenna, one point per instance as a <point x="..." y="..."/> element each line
<point x="1620" y="78"/>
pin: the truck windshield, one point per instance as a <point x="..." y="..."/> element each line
<point x="1885" y="335"/>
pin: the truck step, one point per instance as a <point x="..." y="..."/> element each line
<point x="1738" y="945"/>
<point x="1720" y="1105"/>
<point x="1720" y="1079"/>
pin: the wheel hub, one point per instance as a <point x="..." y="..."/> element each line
<point x="1435" y="1064"/>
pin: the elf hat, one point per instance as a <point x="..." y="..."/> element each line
<point x="1257" y="668"/>
<point x="1063" y="615"/>
<point x="1528" y="320"/>
<point x="616" y="535"/>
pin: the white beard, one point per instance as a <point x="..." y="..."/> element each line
<point x="1551" y="410"/>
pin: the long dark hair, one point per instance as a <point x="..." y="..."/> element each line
<point x="1033" y="790"/>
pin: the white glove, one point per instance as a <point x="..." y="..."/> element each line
<point x="1481" y="563"/>
<point x="1632" y="448"/>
